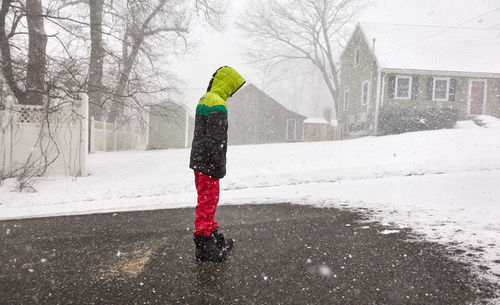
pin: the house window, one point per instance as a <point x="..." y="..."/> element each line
<point x="403" y="86"/>
<point x="291" y="129"/>
<point x="356" y="57"/>
<point x="365" y="92"/>
<point x="441" y="89"/>
<point x="267" y="126"/>
<point x="346" y="101"/>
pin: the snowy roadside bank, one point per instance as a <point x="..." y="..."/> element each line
<point x="442" y="184"/>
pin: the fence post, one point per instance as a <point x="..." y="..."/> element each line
<point x="138" y="138"/>
<point x="115" y="136"/>
<point x="5" y="139"/>
<point x="84" y="135"/>
<point x="186" y="129"/>
<point x="105" y="134"/>
<point x="127" y="139"/>
<point x="92" y="135"/>
<point x="10" y="134"/>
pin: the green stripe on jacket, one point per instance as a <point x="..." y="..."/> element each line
<point x="206" y="110"/>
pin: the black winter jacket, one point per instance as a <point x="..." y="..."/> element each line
<point x="208" y="151"/>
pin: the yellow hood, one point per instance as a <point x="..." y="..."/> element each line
<point x="225" y="82"/>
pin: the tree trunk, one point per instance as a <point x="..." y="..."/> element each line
<point x="35" y="75"/>
<point x="7" y="69"/>
<point x="95" y="87"/>
<point x="333" y="68"/>
<point x="128" y="61"/>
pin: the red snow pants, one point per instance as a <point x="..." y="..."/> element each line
<point x="208" y="198"/>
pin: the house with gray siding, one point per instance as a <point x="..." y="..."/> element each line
<point x="416" y="67"/>
<point x="256" y="118"/>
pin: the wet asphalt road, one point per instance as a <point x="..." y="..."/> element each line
<point x="284" y="254"/>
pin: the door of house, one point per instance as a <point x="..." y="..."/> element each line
<point x="477" y="96"/>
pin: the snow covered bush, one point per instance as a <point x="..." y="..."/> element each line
<point x="394" y="120"/>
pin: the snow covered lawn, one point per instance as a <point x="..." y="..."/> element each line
<point x="444" y="184"/>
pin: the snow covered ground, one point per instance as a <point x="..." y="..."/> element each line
<point x="443" y="184"/>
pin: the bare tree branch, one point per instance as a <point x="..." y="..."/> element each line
<point x="300" y="29"/>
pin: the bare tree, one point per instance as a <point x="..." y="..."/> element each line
<point x="37" y="59"/>
<point x="34" y="89"/>
<point x="311" y="30"/>
<point x="212" y="10"/>
<point x="144" y="20"/>
<point x="155" y="19"/>
<point x="35" y="78"/>
<point x="122" y="62"/>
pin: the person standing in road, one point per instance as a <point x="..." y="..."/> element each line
<point x="208" y="160"/>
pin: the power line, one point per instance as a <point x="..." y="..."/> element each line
<point x="402" y="47"/>
<point x="441" y="32"/>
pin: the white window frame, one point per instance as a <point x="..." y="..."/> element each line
<point x="410" y="84"/>
<point x="367" y="93"/>
<point x="357" y="57"/>
<point x="447" y="79"/>
<point x="344" y="102"/>
<point x="409" y="87"/>
<point x="295" y="129"/>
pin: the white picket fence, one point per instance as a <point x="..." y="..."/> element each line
<point x="106" y="136"/>
<point x="34" y="136"/>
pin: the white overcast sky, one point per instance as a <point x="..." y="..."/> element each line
<point x="217" y="49"/>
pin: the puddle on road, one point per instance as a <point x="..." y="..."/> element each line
<point x="127" y="265"/>
<point x="128" y="262"/>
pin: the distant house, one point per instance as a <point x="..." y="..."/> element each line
<point x="316" y="129"/>
<point x="320" y="129"/>
<point x="256" y="118"/>
<point x="424" y="68"/>
<point x="170" y="126"/>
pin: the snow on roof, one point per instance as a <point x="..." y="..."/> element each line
<point x="315" y="121"/>
<point x="420" y="47"/>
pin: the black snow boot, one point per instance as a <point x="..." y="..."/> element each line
<point x="207" y="250"/>
<point x="222" y="242"/>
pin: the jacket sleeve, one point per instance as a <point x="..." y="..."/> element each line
<point x="217" y="136"/>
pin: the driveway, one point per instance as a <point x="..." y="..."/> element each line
<point x="284" y="254"/>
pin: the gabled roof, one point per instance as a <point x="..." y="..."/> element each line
<point x="265" y="98"/>
<point x="169" y="105"/>
<point x="434" y="48"/>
